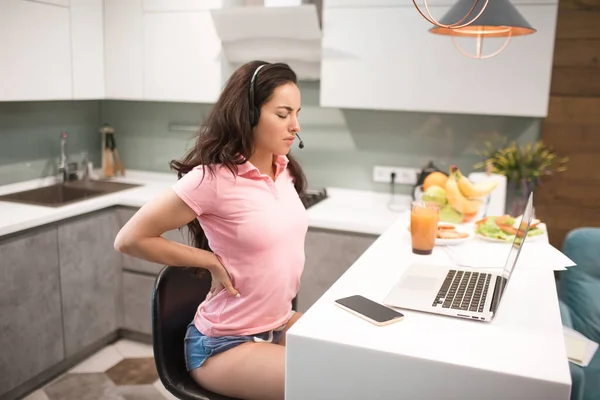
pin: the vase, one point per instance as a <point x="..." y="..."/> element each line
<point x="517" y="195"/>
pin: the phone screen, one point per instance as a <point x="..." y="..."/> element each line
<point x="369" y="308"/>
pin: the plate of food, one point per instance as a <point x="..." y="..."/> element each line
<point x="504" y="228"/>
<point x="448" y="235"/>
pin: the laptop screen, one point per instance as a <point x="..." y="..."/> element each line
<point x="515" y="250"/>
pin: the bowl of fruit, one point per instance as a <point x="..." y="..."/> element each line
<point x="459" y="199"/>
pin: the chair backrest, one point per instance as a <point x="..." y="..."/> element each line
<point x="177" y="293"/>
<point x="579" y="286"/>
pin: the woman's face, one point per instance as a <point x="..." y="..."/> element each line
<point x="278" y="122"/>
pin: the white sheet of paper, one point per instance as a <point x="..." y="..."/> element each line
<point x="477" y="253"/>
<point x="580" y="349"/>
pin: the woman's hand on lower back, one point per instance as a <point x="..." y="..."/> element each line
<point x="221" y="278"/>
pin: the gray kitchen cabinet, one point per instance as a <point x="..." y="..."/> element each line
<point x="328" y="255"/>
<point x="137" y="300"/>
<point x="135" y="264"/>
<point x="91" y="279"/>
<point x="31" y="331"/>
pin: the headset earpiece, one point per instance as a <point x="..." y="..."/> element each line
<point x="254" y="116"/>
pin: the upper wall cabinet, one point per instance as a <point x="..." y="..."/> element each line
<point x="36" y="51"/>
<point x="51" y="50"/>
<point x="181" y="5"/>
<point x="87" y="41"/>
<point x="397" y="3"/>
<point x="182" y="57"/>
<point x="123" y="44"/>
<point x="382" y="56"/>
<point x="162" y="50"/>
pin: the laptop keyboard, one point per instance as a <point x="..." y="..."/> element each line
<point x="463" y="290"/>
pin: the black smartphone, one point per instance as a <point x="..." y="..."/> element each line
<point x="369" y="310"/>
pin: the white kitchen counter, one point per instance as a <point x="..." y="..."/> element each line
<point x="345" y="210"/>
<point x="334" y="355"/>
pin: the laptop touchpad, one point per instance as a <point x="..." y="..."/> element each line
<point x="419" y="283"/>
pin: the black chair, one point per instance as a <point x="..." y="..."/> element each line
<point x="177" y="293"/>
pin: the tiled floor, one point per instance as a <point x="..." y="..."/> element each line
<point x="122" y="371"/>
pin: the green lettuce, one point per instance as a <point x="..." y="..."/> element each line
<point x="490" y="229"/>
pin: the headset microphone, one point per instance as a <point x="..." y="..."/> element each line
<point x="301" y="144"/>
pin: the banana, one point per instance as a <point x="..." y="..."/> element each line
<point x="457" y="200"/>
<point x="473" y="190"/>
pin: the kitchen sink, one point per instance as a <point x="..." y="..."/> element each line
<point x="61" y="194"/>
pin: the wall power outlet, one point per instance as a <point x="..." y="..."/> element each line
<point x="404" y="176"/>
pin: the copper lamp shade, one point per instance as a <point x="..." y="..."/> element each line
<point x="499" y="19"/>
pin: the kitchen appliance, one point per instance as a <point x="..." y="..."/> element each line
<point x="428" y="169"/>
<point x="313" y="196"/>
<point x="261" y="32"/>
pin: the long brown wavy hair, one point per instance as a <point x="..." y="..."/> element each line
<point x="226" y="137"/>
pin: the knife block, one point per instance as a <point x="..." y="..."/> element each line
<point x="107" y="164"/>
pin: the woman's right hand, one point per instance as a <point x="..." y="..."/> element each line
<point x="221" y="278"/>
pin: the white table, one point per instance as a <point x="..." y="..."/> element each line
<point x="332" y="354"/>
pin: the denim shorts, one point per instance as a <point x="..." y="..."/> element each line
<point x="199" y="347"/>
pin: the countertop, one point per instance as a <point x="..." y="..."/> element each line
<point x="520" y="353"/>
<point x="346" y="210"/>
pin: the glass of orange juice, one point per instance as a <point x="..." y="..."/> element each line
<point x="424" y="218"/>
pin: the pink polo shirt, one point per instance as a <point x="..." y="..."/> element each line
<point x="257" y="227"/>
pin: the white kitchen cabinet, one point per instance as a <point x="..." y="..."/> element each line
<point x="123" y="46"/>
<point x="162" y="50"/>
<point x="36" y="51"/>
<point x="385" y="58"/>
<point x="405" y="3"/>
<point x="182" y="59"/>
<point x="87" y="38"/>
<point x="63" y="3"/>
<point x="181" y="5"/>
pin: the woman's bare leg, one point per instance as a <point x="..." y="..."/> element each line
<point x="250" y="371"/>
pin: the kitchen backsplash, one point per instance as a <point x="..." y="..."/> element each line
<point x="341" y="146"/>
<point x="30" y="136"/>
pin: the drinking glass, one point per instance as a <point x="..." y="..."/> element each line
<point x="424" y="219"/>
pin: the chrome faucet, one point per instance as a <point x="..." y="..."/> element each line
<point x="63" y="168"/>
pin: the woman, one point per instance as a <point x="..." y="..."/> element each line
<point x="239" y="194"/>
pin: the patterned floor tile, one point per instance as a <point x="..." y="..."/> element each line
<point x="161" y="388"/>
<point x="82" y="386"/>
<point x="131" y="349"/>
<point x="103" y="360"/>
<point x="134" y="371"/>
<point x="124" y="370"/>
<point x="37" y="395"/>
<point x="138" y="392"/>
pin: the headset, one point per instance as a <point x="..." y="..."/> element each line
<point x="254" y="112"/>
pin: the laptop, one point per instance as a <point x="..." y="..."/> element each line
<point x="459" y="292"/>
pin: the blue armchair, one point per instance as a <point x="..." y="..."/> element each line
<point x="579" y="299"/>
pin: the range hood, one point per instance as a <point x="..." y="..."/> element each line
<point x="290" y="34"/>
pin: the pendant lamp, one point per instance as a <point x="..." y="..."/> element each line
<point x="499" y="18"/>
<point x="458" y="23"/>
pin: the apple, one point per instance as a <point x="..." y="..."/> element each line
<point x="449" y="214"/>
<point x="435" y="194"/>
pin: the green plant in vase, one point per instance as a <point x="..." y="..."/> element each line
<point x="525" y="168"/>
